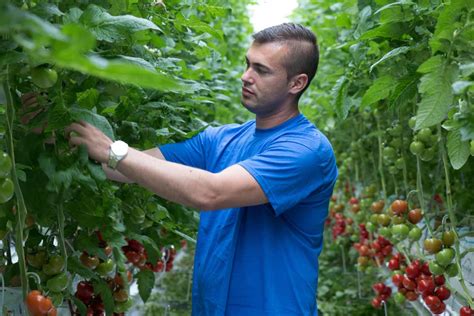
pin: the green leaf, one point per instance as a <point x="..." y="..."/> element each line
<point x="88" y="99"/>
<point x="379" y="90"/>
<point x="431" y="64"/>
<point x="405" y="90"/>
<point x="390" y="5"/>
<point x="14" y="19"/>
<point x="394" y="52"/>
<point x="118" y="70"/>
<point x="458" y="150"/>
<point x="111" y="28"/>
<point x="95" y="119"/>
<point x="96" y="171"/>
<point x="339" y="93"/>
<point x="58" y="117"/>
<point x="437" y="96"/>
<point x="146" y="282"/>
<point x="80" y="305"/>
<point x="195" y="23"/>
<point x="389" y="30"/>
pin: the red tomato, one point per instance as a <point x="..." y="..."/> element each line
<point x="399" y="207"/>
<point x="38" y="304"/>
<point x="466" y="311"/>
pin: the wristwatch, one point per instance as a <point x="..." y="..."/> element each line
<point x="118" y="150"/>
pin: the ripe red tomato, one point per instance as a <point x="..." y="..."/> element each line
<point x="432" y="301"/>
<point x="466" y="311"/>
<point x="409" y="283"/>
<point x="411" y="296"/>
<point x="442" y="292"/>
<point x="399" y="207"/>
<point x="415" y="215"/>
<point x="38" y="304"/>
<point x="413" y="271"/>
<point x="394" y="264"/>
<point x="376" y="302"/>
<point x="426" y="286"/>
<point x="439" y="280"/>
<point x="378" y="287"/>
<point x="397" y="279"/>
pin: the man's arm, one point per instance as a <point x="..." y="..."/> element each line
<point x="116" y="175"/>
<point x="232" y="187"/>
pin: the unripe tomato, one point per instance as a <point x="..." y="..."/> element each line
<point x="6" y="190"/>
<point x="5" y="165"/>
<point x="44" y="77"/>
<point x="424" y="135"/>
<point x="435" y="268"/>
<point x="89" y="261"/>
<point x="432" y="245"/>
<point x="415" y="233"/>
<point x="417" y="148"/>
<point x="452" y="270"/>
<point x="412" y="122"/>
<point x="445" y="256"/>
<point x="448" y="238"/>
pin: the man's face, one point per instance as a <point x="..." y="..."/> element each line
<point x="265" y="84"/>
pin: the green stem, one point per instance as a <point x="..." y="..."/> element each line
<point x="452" y="218"/>
<point x="380" y="164"/>
<point x="62" y="243"/>
<point x="419" y="189"/>
<point x="395" y="184"/>
<point x="21" y="211"/>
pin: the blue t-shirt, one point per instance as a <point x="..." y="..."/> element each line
<point x="262" y="260"/>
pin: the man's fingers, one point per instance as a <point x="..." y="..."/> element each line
<point x="74" y="127"/>
<point x="75" y="141"/>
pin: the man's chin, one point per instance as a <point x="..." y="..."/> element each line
<point x="250" y="107"/>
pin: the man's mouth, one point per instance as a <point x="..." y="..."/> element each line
<point x="247" y="91"/>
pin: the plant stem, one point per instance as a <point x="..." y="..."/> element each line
<point x="380" y="164"/>
<point x="62" y="243"/>
<point x="21" y="211"/>
<point x="419" y="189"/>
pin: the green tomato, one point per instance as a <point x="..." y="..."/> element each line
<point x="374" y="218"/>
<point x="6" y="190"/>
<point x="54" y="266"/>
<point x="36" y="260"/>
<point x="370" y="227"/>
<point x="415" y="233"/>
<point x="399" y="298"/>
<point x="400" y="163"/>
<point x="389" y="152"/>
<point x="448" y="238"/>
<point x="44" y="77"/>
<point x="383" y="219"/>
<point x="424" y="135"/>
<point x="435" y="268"/>
<point x="385" y="232"/>
<point x="400" y="230"/>
<point x="397" y="130"/>
<point x="417" y="147"/>
<point x="427" y="154"/>
<point x="396" y="143"/>
<point x="122" y="307"/>
<point x="58" y="283"/>
<point x="5" y="165"/>
<point x="104" y="268"/>
<point x="452" y="270"/>
<point x="412" y="122"/>
<point x="445" y="256"/>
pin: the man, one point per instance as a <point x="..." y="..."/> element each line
<point x="263" y="186"/>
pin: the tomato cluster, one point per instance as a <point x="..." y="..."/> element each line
<point x="39" y="305"/>
<point x="136" y="254"/>
<point x="418" y="280"/>
<point x="424" y="142"/>
<point x="375" y="251"/>
<point x="383" y="293"/>
<point x="50" y="268"/>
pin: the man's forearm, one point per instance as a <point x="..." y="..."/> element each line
<point x="115" y="175"/>
<point x="178" y="183"/>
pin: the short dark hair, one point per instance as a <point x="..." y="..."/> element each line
<point x="303" y="44"/>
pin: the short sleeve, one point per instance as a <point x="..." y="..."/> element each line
<point x="289" y="171"/>
<point x="191" y="152"/>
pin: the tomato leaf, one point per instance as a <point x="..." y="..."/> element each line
<point x="111" y="28"/>
<point x="437" y="96"/>
<point x="458" y="150"/>
<point x="394" y="52"/>
<point x="146" y="282"/>
<point x="379" y="90"/>
<point x="94" y="119"/>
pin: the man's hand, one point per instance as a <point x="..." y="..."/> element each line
<point x="95" y="140"/>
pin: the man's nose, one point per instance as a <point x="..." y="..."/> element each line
<point x="247" y="76"/>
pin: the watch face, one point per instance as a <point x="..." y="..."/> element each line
<point x="119" y="148"/>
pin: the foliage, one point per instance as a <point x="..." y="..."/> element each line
<point x="146" y="72"/>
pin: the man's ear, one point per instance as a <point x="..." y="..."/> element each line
<point x="298" y="83"/>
